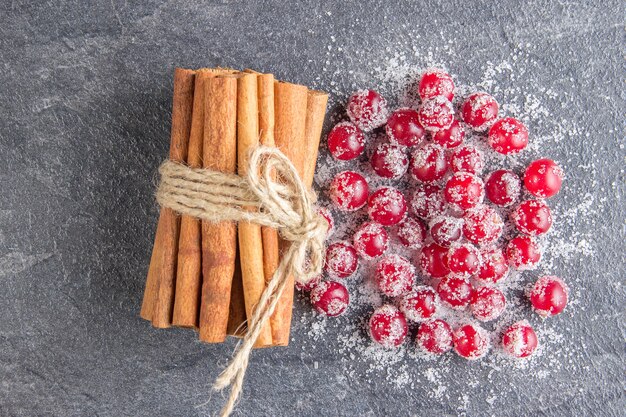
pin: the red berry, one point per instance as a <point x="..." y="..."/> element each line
<point x="464" y="190"/>
<point x="389" y="161"/>
<point x="523" y="253"/>
<point x="330" y="298"/>
<point x="327" y="215"/>
<point x="467" y="159"/>
<point x="494" y="266"/>
<point x="549" y="296"/>
<point x="543" y="178"/>
<point x="420" y="304"/>
<point x="395" y="275"/>
<point x="479" y="110"/>
<point x="371" y="240"/>
<point x="436" y="82"/>
<point x="470" y="341"/>
<point x="464" y="258"/>
<point x="519" y="340"/>
<point x="404" y="129"/>
<point x="428" y="163"/>
<point x="341" y="260"/>
<point x="487" y="303"/>
<point x="313" y="282"/>
<point x="433" y="260"/>
<point x="428" y="202"/>
<point x="508" y="136"/>
<point x="455" y="291"/>
<point x="482" y="225"/>
<point x="532" y="217"/>
<point x="445" y="230"/>
<point x="434" y="336"/>
<point x="386" y="206"/>
<point x="450" y="137"/>
<point x="436" y="113"/>
<point x="348" y="190"/>
<point x="388" y="326"/>
<point x="367" y="109"/>
<point x="502" y="187"/>
<point x="412" y="233"/>
<point x="345" y="141"/>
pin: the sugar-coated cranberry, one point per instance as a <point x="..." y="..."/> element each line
<point x="312" y="283"/>
<point x="403" y="128"/>
<point x="487" y="303"/>
<point x="482" y="225"/>
<point x="388" y="326"/>
<point x="464" y="258"/>
<point x="532" y="217"/>
<point x="436" y="113"/>
<point x="349" y="190"/>
<point x="345" y="141"/>
<point x="434" y="336"/>
<point x="428" y="163"/>
<point x="479" y="110"/>
<point x="420" y="304"/>
<point x="464" y="190"/>
<point x="395" y="275"/>
<point x="451" y="137"/>
<point x="502" y="187"/>
<point x="412" y="233"/>
<point x="519" y="340"/>
<point x="389" y="161"/>
<point x="543" y="178"/>
<point x="341" y="260"/>
<point x="428" y="202"/>
<point x="508" y="136"/>
<point x="470" y="341"/>
<point x="467" y="159"/>
<point x="367" y="109"/>
<point x="446" y="230"/>
<point x="549" y="296"/>
<point x="370" y="240"/>
<point x="386" y="206"/>
<point x="436" y="82"/>
<point x="328" y="216"/>
<point x="434" y="260"/>
<point x="494" y="266"/>
<point x="455" y="291"/>
<point x="330" y="298"/>
<point x="523" y="253"/>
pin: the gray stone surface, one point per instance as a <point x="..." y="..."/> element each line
<point x="85" y="97"/>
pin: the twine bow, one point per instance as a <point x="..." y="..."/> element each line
<point x="283" y="204"/>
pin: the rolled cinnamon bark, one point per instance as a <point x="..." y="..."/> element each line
<point x="219" y="241"/>
<point x="290" y="104"/>
<point x="159" y="292"/>
<point x="237" y="310"/>
<point x="189" y="270"/>
<point x="315" y="112"/>
<point x="250" y="241"/>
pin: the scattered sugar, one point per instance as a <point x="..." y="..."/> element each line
<point x="395" y="76"/>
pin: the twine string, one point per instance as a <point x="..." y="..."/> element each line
<point x="272" y="186"/>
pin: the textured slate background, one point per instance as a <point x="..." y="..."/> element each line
<point x="85" y="97"/>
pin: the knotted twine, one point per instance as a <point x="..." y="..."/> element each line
<point x="272" y="187"/>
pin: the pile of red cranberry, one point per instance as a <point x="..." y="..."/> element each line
<point x="453" y="231"/>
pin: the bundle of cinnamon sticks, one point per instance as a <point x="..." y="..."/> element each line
<point x="210" y="276"/>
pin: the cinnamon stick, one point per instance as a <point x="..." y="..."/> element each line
<point x="250" y="241"/>
<point x="290" y="103"/>
<point x="219" y="241"/>
<point x="315" y="112"/>
<point x="159" y="292"/>
<point x="189" y="271"/>
<point x="237" y="310"/>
